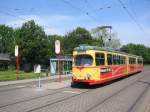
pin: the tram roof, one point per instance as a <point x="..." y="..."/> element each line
<point x="87" y="47"/>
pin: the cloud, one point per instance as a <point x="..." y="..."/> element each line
<point x="21" y="19"/>
<point x="51" y="24"/>
<point x="128" y="32"/>
<point x="55" y="24"/>
<point x="52" y="31"/>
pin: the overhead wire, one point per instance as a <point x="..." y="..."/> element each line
<point x="18" y="17"/>
<point x="77" y="8"/>
<point x="132" y="17"/>
<point x="6" y="13"/>
<point x="93" y="10"/>
<point x="10" y="9"/>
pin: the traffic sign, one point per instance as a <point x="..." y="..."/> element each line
<point x="37" y="68"/>
<point x="16" y="50"/>
<point x="57" y="46"/>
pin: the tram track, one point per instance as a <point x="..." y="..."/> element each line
<point x="108" y="98"/>
<point x="141" y="95"/>
<point x="49" y="104"/>
<point x="13" y="88"/>
<point x="65" y="99"/>
<point x="118" y="92"/>
<point x="33" y="98"/>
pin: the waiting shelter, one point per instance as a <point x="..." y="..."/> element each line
<point x="66" y="62"/>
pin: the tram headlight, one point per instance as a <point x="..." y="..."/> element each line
<point x="88" y="76"/>
<point x="74" y="77"/>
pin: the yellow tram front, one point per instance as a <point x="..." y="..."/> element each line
<point x="84" y="69"/>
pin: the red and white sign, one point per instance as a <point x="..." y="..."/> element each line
<point x="16" y="50"/>
<point x="57" y="46"/>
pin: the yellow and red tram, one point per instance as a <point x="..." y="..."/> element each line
<point x="96" y="65"/>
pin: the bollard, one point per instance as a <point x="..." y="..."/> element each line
<point x="39" y="85"/>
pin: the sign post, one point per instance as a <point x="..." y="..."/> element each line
<point x="17" y="62"/>
<point x="58" y="51"/>
<point x="37" y="69"/>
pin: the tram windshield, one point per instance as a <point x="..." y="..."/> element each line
<point x="83" y="60"/>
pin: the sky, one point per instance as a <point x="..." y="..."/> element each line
<point x="131" y="21"/>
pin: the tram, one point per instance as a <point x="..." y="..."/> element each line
<point x="96" y="65"/>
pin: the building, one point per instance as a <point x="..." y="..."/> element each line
<point x="4" y="61"/>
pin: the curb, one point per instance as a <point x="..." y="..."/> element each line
<point x="30" y="81"/>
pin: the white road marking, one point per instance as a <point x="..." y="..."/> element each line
<point x="74" y="92"/>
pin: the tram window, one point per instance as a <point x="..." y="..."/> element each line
<point x="132" y="61"/>
<point x="140" y="61"/>
<point x="100" y="59"/>
<point x="83" y="60"/>
<point x="122" y="60"/>
<point x="118" y="59"/>
<point x="109" y="59"/>
<point x="115" y="60"/>
<point x="129" y="60"/>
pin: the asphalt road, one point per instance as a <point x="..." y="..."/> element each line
<point x="129" y="94"/>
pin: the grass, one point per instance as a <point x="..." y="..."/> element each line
<point x="11" y="75"/>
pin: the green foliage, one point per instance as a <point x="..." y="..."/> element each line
<point x="138" y="49"/>
<point x="71" y="40"/>
<point x="6" y="39"/>
<point x="75" y="38"/>
<point x="11" y="75"/>
<point x="32" y="42"/>
<point x="35" y="47"/>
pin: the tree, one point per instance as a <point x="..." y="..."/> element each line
<point x="114" y="42"/>
<point x="100" y="34"/>
<point x="104" y="38"/>
<point x="6" y="39"/>
<point x="138" y="49"/>
<point x="33" y="44"/>
<point x="75" y="38"/>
